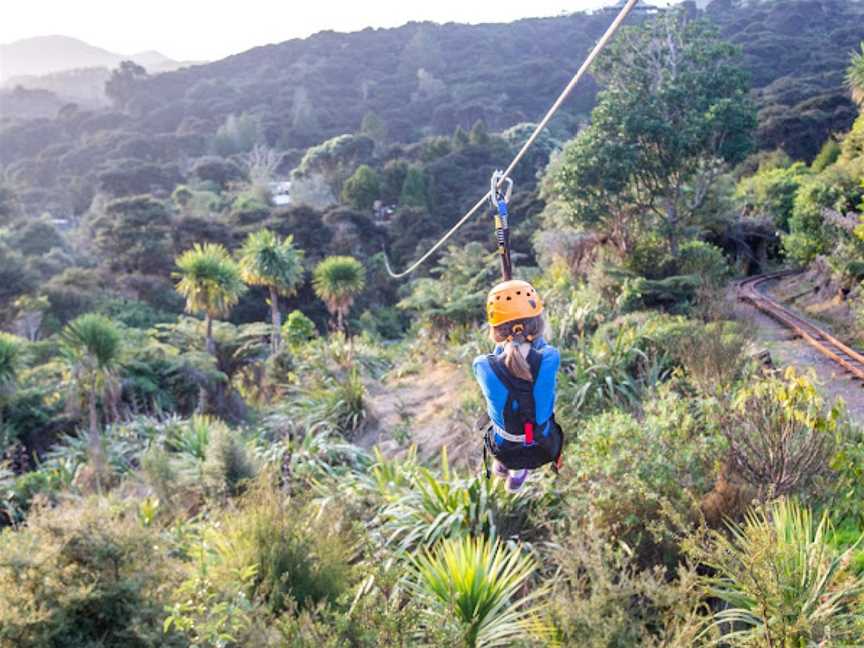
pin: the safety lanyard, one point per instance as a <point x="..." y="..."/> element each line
<point x="501" y="188"/>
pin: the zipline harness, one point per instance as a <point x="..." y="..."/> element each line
<point x="500" y="178"/>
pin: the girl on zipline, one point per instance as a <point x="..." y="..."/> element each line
<point x="518" y="381"/>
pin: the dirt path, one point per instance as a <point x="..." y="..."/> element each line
<point x="429" y="410"/>
<point x="787" y="350"/>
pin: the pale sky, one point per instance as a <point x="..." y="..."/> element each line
<point x="212" y="29"/>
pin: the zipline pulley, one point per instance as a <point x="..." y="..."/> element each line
<point x="500" y="191"/>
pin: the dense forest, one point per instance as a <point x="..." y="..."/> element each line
<point x="223" y="424"/>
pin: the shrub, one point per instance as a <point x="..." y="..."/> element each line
<point x="269" y="555"/>
<point x="703" y="260"/>
<point x="847" y="494"/>
<point x="601" y="598"/>
<point x="625" y="357"/>
<point x="227" y="463"/>
<point x="334" y="402"/>
<point x="771" y="192"/>
<point x="298" y="329"/>
<point x="422" y="508"/>
<point x="782" y="583"/>
<point x="780" y="434"/>
<point x="473" y="588"/>
<point x="300" y="551"/>
<point x="640" y="476"/>
<point x="712" y="355"/>
<point x="84" y="576"/>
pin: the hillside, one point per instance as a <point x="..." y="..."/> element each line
<point x="424" y="79"/>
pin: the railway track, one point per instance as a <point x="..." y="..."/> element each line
<point x="829" y="346"/>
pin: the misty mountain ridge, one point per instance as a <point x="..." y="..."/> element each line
<point x="42" y="55"/>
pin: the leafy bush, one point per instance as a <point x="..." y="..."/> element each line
<point x="268" y="556"/>
<point x="298" y="329"/>
<point x="847" y="464"/>
<point x="332" y="402"/>
<point x="88" y="575"/>
<point x="227" y="464"/>
<point x="192" y="436"/>
<point x="675" y="293"/>
<point x="782" y="582"/>
<point x="623" y="359"/>
<point x="703" y="260"/>
<point x="602" y="598"/>
<point x="780" y="434"/>
<point x="638" y="475"/>
<point x="712" y="354"/>
<point x="771" y="192"/>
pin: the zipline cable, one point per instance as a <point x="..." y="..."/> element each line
<point x="598" y="48"/>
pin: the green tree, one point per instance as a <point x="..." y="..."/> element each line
<point x="363" y="188"/>
<point x="855" y="76"/>
<point x="374" y="127"/>
<point x="9" y="205"/>
<point x="10" y="363"/>
<point x="414" y="189"/>
<point x="209" y="279"/>
<point x="828" y="155"/>
<point x="675" y="112"/>
<point x="333" y="161"/>
<point x="771" y="192"/>
<point x="392" y="178"/>
<point x="91" y="347"/>
<point x="238" y="134"/>
<point x="276" y="264"/>
<point x="134" y="235"/>
<point x="337" y="281"/>
<point x="479" y="134"/>
<point x="460" y="138"/>
<point x="120" y="87"/>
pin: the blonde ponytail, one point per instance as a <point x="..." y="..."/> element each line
<point x="512" y="335"/>
<point x="515" y="362"/>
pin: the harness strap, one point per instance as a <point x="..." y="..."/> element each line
<point x="504" y="434"/>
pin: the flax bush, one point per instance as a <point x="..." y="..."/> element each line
<point x="782" y="582"/>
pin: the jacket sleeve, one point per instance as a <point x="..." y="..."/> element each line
<point x="493" y="391"/>
<point x="547" y="383"/>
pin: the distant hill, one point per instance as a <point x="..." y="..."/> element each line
<point x="42" y="55"/>
<point x="58" y="70"/>
<point x="418" y="80"/>
<point x="797" y="52"/>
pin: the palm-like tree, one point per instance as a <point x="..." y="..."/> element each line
<point x="210" y="281"/>
<point x="855" y="76"/>
<point x="277" y="264"/>
<point x="475" y="582"/>
<point x="10" y="360"/>
<point x="91" y="347"/>
<point x="337" y="281"/>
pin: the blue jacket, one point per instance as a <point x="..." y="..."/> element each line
<point x="544" y="388"/>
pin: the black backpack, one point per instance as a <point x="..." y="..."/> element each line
<point x="537" y="449"/>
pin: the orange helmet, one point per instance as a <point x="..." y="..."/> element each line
<point x="512" y="300"/>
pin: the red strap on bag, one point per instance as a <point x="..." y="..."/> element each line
<point x="529" y="433"/>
